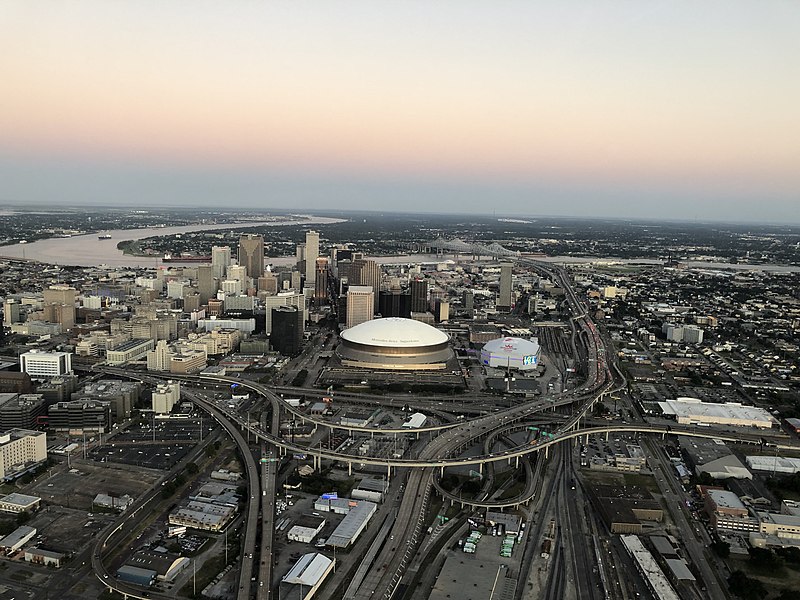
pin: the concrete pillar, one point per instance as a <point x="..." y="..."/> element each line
<point x="546" y="451"/>
<point x="388" y="471"/>
<point x="606" y="436"/>
<point x="480" y="468"/>
<point x="516" y="465"/>
<point x="349" y="469"/>
<point x="441" y="472"/>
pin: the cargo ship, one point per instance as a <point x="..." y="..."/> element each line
<point x="185" y="258"/>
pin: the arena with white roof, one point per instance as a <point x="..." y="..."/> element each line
<point x="394" y="343"/>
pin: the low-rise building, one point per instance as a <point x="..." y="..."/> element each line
<point x="17" y="538"/>
<point x="202" y="515"/>
<point x="39" y="556"/>
<point x="18" y="503"/>
<point x="131" y="350"/>
<point x="104" y="501"/>
<point x="305" y="529"/>
<point x="726" y="511"/>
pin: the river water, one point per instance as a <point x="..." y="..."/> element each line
<point x="89" y="251"/>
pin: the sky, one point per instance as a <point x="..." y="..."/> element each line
<point x="636" y="108"/>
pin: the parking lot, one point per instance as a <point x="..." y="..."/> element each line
<point x="158" y="456"/>
<point x="77" y="489"/>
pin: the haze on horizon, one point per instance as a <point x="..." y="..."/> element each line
<point x="678" y="110"/>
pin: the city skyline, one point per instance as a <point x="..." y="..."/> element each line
<point x="678" y="111"/>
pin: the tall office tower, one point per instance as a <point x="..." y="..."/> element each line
<point x="441" y="310"/>
<point x="220" y="260"/>
<point x="321" y="283"/>
<point x="504" y="298"/>
<point x="251" y="254"/>
<point x="294" y="280"/>
<point x="469" y="300"/>
<point x="394" y="304"/>
<point x="206" y="283"/>
<point x="11" y="311"/>
<point x="369" y="273"/>
<point x="282" y="299"/>
<point x="231" y="287"/>
<point x="59" y="305"/>
<point x="287" y="330"/>
<point x="435" y="295"/>
<point x="312" y="254"/>
<point x="268" y="283"/>
<point x="300" y="258"/>
<point x="345" y="269"/>
<point x="239" y="273"/>
<point x="338" y="254"/>
<point x="419" y="295"/>
<point x="60" y="294"/>
<point x="191" y="302"/>
<point x="360" y="304"/>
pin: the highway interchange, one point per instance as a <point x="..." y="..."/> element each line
<point x="442" y="447"/>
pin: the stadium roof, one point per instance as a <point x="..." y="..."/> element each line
<point x="395" y="332"/>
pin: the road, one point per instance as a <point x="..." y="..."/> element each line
<point x="269" y="478"/>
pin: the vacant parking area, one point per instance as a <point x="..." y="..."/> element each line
<point x="77" y="489"/>
<point x="157" y="456"/>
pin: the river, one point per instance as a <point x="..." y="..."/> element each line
<point x="89" y="251"/>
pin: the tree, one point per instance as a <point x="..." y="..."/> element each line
<point x="764" y="558"/>
<point x="721" y="549"/>
<point x="745" y="587"/>
<point x="192" y="468"/>
<point x="789" y="594"/>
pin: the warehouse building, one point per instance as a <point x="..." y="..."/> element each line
<point x="372" y="489"/>
<point x="306" y="577"/>
<point x="17" y="538"/>
<point x="136" y="575"/>
<point x="691" y="411"/>
<point x="774" y="464"/>
<point x="649" y="569"/>
<point x="166" y="565"/>
<point x="352" y="525"/>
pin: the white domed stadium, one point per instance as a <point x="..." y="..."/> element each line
<point x="394" y="343"/>
<point x="511" y="353"/>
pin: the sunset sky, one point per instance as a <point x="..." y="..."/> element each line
<point x="623" y="108"/>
